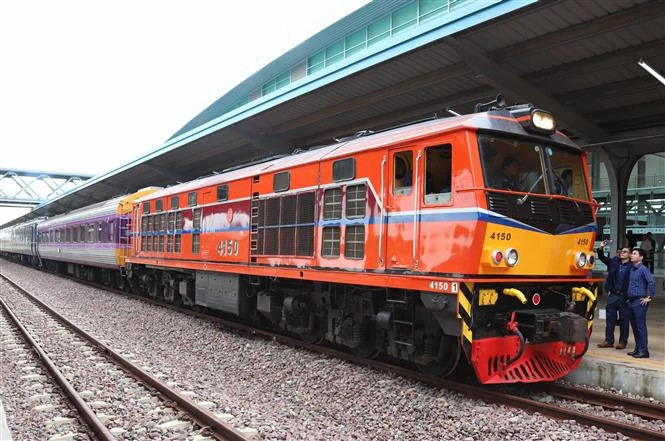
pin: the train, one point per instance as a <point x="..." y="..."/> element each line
<point x="451" y="242"/>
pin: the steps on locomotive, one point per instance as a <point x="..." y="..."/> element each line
<point x="612" y="368"/>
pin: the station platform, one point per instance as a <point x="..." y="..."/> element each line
<point x="610" y="368"/>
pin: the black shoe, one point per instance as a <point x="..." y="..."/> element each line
<point x="632" y="352"/>
<point x="641" y="355"/>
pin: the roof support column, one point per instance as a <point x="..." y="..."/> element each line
<point x="618" y="172"/>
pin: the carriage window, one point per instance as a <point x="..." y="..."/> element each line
<point x="332" y="203"/>
<point x="68" y="235"/>
<point x="281" y="181"/>
<point x="146" y="207"/>
<point x="191" y="199"/>
<point x="438" y="174"/>
<point x="82" y="233"/>
<point x="402" y="173"/>
<point x="222" y="192"/>
<point x="100" y="237"/>
<point x="175" y="203"/>
<point x="344" y="170"/>
<point x="91" y="233"/>
<point x="330" y="242"/>
<point x="355" y="201"/>
<point x="111" y="231"/>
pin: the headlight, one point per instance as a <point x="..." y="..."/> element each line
<point x="512" y="257"/>
<point x="580" y="260"/>
<point x="543" y="121"/>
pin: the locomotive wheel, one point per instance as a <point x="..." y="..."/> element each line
<point x="369" y="352"/>
<point x="446" y="360"/>
<point x="311" y="337"/>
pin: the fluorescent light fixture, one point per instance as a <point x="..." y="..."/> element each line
<point x="453" y="112"/>
<point x="651" y="70"/>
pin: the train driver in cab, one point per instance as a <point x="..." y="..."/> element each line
<point x="509" y="177"/>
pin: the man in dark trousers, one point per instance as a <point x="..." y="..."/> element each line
<point x="616" y="286"/>
<point x="641" y="289"/>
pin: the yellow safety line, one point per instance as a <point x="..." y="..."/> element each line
<point x="623" y="357"/>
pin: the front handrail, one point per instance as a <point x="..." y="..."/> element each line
<point x="593" y="203"/>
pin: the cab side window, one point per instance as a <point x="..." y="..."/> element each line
<point x="438" y="174"/>
<point x="402" y="173"/>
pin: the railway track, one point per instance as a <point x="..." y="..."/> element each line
<point x="606" y="400"/>
<point x="144" y="396"/>
<point x="484" y="393"/>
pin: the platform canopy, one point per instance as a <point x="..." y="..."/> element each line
<point x="391" y="62"/>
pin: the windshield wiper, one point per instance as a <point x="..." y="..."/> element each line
<point x="522" y="200"/>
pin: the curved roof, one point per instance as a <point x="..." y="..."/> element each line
<point x="502" y="120"/>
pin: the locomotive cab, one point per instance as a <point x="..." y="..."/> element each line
<point x="532" y="319"/>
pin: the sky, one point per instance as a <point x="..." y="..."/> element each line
<point x="86" y="86"/>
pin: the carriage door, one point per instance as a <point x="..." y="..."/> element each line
<point x="401" y="210"/>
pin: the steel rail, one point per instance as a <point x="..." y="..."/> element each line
<point x="88" y="415"/>
<point x="642" y="408"/>
<point x="482" y="393"/>
<point x="203" y="417"/>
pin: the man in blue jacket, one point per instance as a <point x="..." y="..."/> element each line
<point x="641" y="289"/>
<point x="616" y="286"/>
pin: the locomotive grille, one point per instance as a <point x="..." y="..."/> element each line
<point x="288" y="210"/>
<point x="272" y="212"/>
<point x="498" y="204"/>
<point x="570" y="213"/>
<point x="540" y="208"/>
<point x="305" y="241"/>
<point x="284" y="225"/>
<point x="551" y="215"/>
<point x="270" y="241"/>
<point x="287" y="241"/>
<point x="305" y="233"/>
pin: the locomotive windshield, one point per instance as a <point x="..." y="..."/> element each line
<point x="531" y="167"/>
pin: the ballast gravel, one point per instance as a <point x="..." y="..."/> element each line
<point x="285" y="393"/>
<point x="33" y="404"/>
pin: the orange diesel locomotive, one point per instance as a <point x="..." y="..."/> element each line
<point x="460" y="238"/>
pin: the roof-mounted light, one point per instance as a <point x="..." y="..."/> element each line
<point x="543" y="121"/>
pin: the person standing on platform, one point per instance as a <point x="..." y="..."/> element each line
<point x="649" y="246"/>
<point x="641" y="289"/>
<point x="616" y="286"/>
